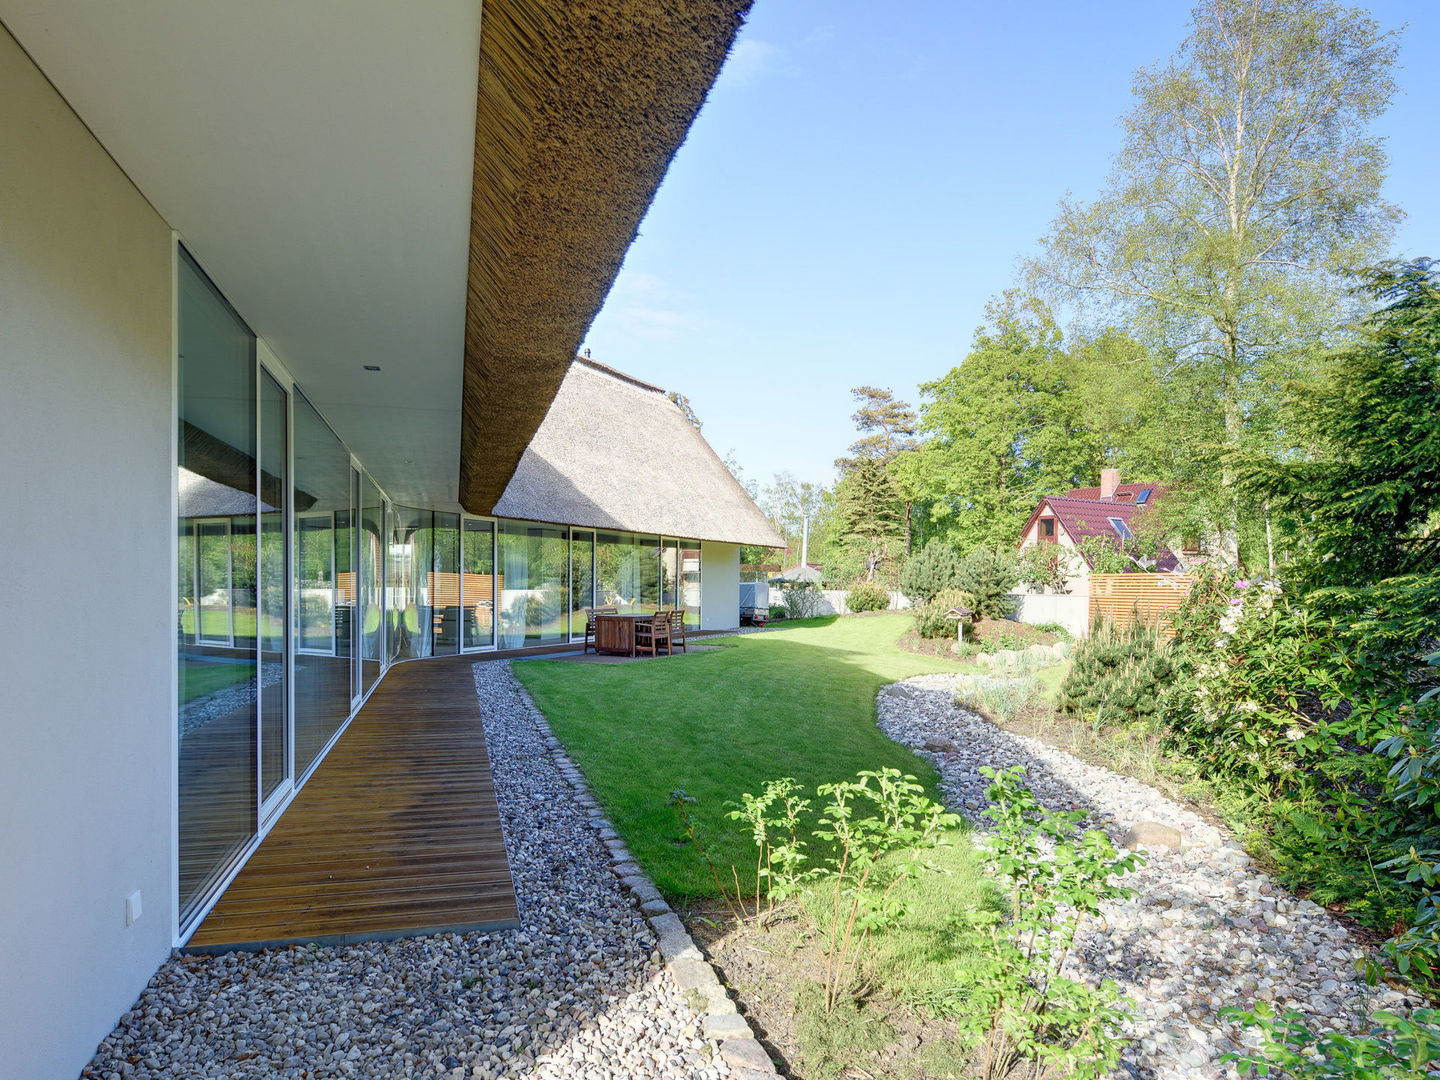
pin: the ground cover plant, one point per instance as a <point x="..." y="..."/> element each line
<point x="721" y="722"/>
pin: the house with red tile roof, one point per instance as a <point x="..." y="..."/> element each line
<point x="1111" y="513"/>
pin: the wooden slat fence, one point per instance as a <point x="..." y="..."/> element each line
<point x="1119" y="598"/>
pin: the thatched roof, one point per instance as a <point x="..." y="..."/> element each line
<point x="616" y="453"/>
<point x="582" y="104"/>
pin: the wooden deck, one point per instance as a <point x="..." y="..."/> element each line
<point x="397" y="833"/>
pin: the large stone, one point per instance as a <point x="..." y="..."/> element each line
<point x="1152" y="836"/>
<point x="746" y="1054"/>
<point x="939" y="745"/>
<point x="675" y="942"/>
<point x="719" y="1027"/>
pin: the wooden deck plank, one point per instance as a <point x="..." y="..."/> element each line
<point x="396" y="833"/>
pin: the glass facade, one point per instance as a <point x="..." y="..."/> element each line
<point x="534" y="596"/>
<point x="477" y="583"/>
<point x="372" y="582"/>
<point x="271" y="591"/>
<point x="298" y="582"/>
<point x="324" y="596"/>
<point x="217" y="498"/>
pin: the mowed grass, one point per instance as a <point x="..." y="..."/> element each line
<point x="795" y="702"/>
<point x="201" y="680"/>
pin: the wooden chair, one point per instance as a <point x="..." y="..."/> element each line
<point x="677" y="630"/>
<point x="652" y="633"/>
<point x="590" y="613"/>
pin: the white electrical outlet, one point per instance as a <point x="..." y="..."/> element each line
<point x="132" y="908"/>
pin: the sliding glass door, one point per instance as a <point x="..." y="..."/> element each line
<point x="217" y="483"/>
<point x="272" y="594"/>
<point x="477" y="584"/>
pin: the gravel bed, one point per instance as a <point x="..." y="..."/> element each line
<point x="1207" y="929"/>
<point x="578" y="990"/>
<point x="196" y="714"/>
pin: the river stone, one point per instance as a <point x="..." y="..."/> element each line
<point x="1152" y="836"/>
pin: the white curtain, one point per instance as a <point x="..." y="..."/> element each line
<point x="515" y="565"/>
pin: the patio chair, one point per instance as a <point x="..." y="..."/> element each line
<point x="652" y="633"/>
<point x="677" y="630"/>
<point x="590" y="613"/>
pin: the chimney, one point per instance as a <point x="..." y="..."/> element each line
<point x="1109" y="481"/>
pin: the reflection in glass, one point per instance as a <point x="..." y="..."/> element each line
<point x="411" y="556"/>
<point x="270" y="615"/>
<point x="372" y="582"/>
<point x="478" y="584"/>
<point x="690" y="582"/>
<point x="442" y="590"/>
<point x="582" y="579"/>
<point x="627" y="571"/>
<point x="670" y="574"/>
<point x="216" y="488"/>
<point x="534" y="593"/>
<point x="324" y="588"/>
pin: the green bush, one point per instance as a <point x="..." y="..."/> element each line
<point x="989" y="575"/>
<point x="933" y="569"/>
<point x="868" y="597"/>
<point x="930" y="620"/>
<point x="1117" y="674"/>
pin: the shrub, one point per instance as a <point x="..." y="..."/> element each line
<point x="802" y="600"/>
<point x="1395" y="1047"/>
<point x="1118" y="674"/>
<point x="777" y="611"/>
<point x="930" y="620"/>
<point x="867" y="597"/>
<point x="998" y="695"/>
<point x="989" y="574"/>
<point x="933" y="569"/>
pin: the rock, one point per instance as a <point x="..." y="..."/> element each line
<point x="719" y="1027"/>
<point x="746" y="1054"/>
<point x="1151" y="836"/>
<point x="939" y="745"/>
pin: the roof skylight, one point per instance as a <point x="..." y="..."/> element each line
<point x="1121" y="529"/>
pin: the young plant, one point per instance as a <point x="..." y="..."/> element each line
<point x="681" y="803"/>
<point x="878" y="814"/>
<point x="1019" y="1004"/>
<point x="1396" y="1048"/>
<point x="773" y="817"/>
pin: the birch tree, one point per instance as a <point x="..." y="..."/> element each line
<point x="1247" y="181"/>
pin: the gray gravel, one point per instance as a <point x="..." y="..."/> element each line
<point x="1207" y="930"/>
<point x="577" y="991"/>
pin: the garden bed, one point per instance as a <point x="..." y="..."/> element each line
<point x="776" y="971"/>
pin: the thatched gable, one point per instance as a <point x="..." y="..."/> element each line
<point x="582" y="105"/>
<point x="616" y="453"/>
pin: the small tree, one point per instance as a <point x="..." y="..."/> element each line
<point x="988" y="574"/>
<point x="935" y="568"/>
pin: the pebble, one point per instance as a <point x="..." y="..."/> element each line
<point x="577" y="991"/>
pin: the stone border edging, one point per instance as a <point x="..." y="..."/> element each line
<point x="720" y="1021"/>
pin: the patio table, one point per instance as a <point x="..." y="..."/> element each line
<point x="616" y="633"/>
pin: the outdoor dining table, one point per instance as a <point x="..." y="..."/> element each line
<point x="616" y="633"/>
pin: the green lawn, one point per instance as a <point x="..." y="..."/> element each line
<point x="198" y="680"/>
<point x="795" y="702"/>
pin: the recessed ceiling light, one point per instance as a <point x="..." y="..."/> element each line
<point x="372" y="367"/>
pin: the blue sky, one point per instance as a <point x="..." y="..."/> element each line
<point x="858" y="186"/>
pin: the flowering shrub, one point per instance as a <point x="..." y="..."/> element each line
<point x="1282" y="709"/>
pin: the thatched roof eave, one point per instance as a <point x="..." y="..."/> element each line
<point x="582" y="104"/>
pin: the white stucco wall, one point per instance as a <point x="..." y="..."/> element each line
<point x="85" y="582"/>
<point x="719" y="586"/>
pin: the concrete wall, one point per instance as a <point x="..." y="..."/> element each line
<point x="88" y="635"/>
<point x="719" y="586"/>
<point x="834" y="602"/>
<point x="1069" y="611"/>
